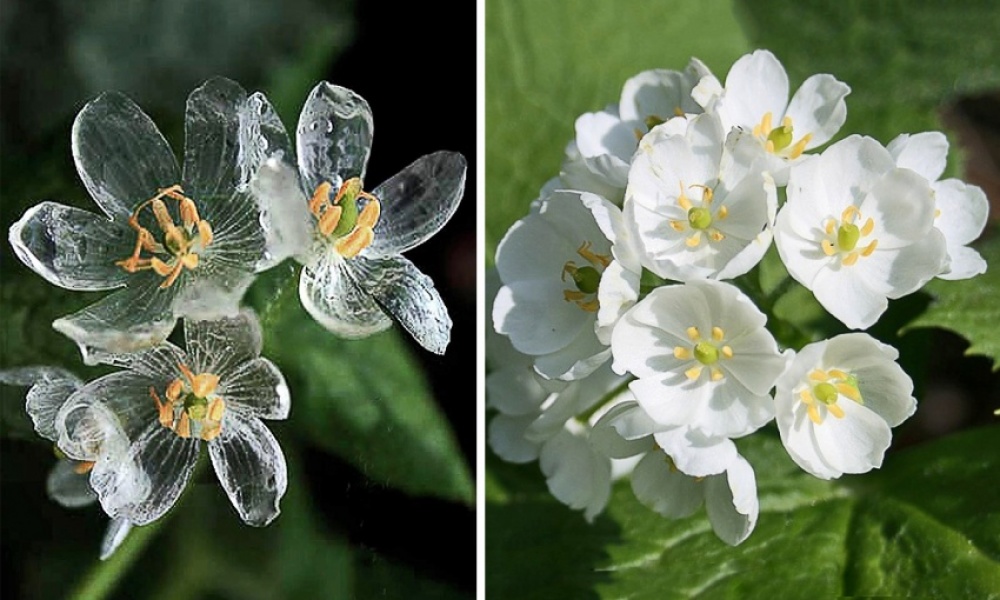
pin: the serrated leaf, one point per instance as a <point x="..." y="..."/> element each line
<point x="928" y="524"/>
<point x="549" y="62"/>
<point x="969" y="307"/>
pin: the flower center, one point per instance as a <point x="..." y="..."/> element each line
<point x="843" y="237"/>
<point x="705" y="353"/>
<point x="700" y="217"/>
<point x="586" y="279"/>
<point x="340" y="220"/>
<point x="824" y="390"/>
<point x="192" y="408"/>
<point x="182" y="243"/>
<point x="778" y="140"/>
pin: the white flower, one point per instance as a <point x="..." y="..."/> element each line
<point x="755" y="99"/>
<point x="961" y="209"/>
<point x="681" y="469"/>
<point x="551" y="264"/>
<point x="619" y="287"/>
<point x="837" y="402"/>
<point x="702" y="356"/>
<point x="181" y="244"/>
<point x="698" y="202"/>
<point x="856" y="230"/>
<point x="598" y="159"/>
<point x="164" y="405"/>
<point x="350" y="241"/>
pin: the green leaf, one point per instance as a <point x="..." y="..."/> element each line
<point x="969" y="307"/>
<point x="549" y="62"/>
<point x="364" y="400"/>
<point x="928" y="524"/>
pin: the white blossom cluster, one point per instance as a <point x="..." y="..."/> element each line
<point x="631" y="347"/>
<point x="184" y="244"/>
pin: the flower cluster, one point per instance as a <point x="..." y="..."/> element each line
<point x="629" y="298"/>
<point x="184" y="244"/>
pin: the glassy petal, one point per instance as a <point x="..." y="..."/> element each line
<point x="117" y="532"/>
<point x="211" y="138"/>
<point x="50" y="388"/>
<point x="417" y="202"/>
<point x="72" y="248"/>
<point x="328" y="293"/>
<point x="257" y="388"/>
<point x="402" y="291"/>
<point x="284" y="214"/>
<point x="222" y="345"/>
<point x="120" y="154"/>
<point x="122" y="398"/>
<point x="251" y="468"/>
<point x="262" y="136"/>
<point x="334" y="136"/>
<point x="69" y="487"/>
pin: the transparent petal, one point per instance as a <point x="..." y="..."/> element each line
<point x="402" y="291"/>
<point x="120" y="154"/>
<point x="417" y="202"/>
<point x="50" y="388"/>
<point x="117" y="532"/>
<point x="223" y="345"/>
<point x="159" y="363"/>
<point x="137" y="317"/>
<point x="284" y="214"/>
<point x="211" y="138"/>
<point x="334" y="136"/>
<point x="72" y="248"/>
<point x="257" y="388"/>
<point x="331" y="296"/>
<point x="262" y="136"/>
<point x="251" y="468"/>
<point x="68" y="487"/>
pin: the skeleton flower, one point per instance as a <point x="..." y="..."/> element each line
<point x="698" y="201"/>
<point x="857" y="230"/>
<point x="961" y="209"/>
<point x="837" y="402"/>
<point x="755" y="99"/>
<point x="348" y="240"/>
<point x="165" y="405"/>
<point x="180" y="244"/>
<point x="703" y="358"/>
<point x="68" y="482"/>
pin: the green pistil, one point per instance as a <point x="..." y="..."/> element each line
<point x="826" y="393"/>
<point x="700" y="217"/>
<point x="348" y="218"/>
<point x="847" y="236"/>
<point x="706" y="353"/>
<point x="781" y="137"/>
<point x="196" y="407"/>
<point x="587" y="279"/>
<point x="653" y="120"/>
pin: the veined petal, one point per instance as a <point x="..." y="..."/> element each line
<point x="409" y="296"/>
<point x="818" y="108"/>
<point x="212" y="139"/>
<point x="284" y="213"/>
<point x="417" y="202"/>
<point x="68" y="487"/>
<point x="221" y="346"/>
<point x="334" y="136"/>
<point x="117" y="532"/>
<point x="120" y="154"/>
<point x="72" y="248"/>
<point x="505" y="435"/>
<point x="256" y="388"/>
<point x="331" y="296"/>
<point x="731" y="502"/>
<point x="576" y="475"/>
<point x="117" y="401"/>
<point x="925" y="153"/>
<point x="262" y="137"/>
<point x="664" y="489"/>
<point x="50" y="388"/>
<point x="251" y="468"/>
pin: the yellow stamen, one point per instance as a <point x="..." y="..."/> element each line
<point x="817" y="375"/>
<point x="800" y="146"/>
<point x="162" y="215"/>
<point x="693" y="373"/>
<point x="162" y="269"/>
<point x="189" y="212"/>
<point x="830" y="227"/>
<point x="717" y="374"/>
<point x="806" y="397"/>
<point x="693" y="333"/>
<point x="351" y="244"/>
<point x="828" y="248"/>
<point x="786" y="122"/>
<point x="370" y="214"/>
<point x="765" y="123"/>
<point x="205" y="234"/>
<point x="937" y="213"/>
<point x="718" y="334"/>
<point x="836" y="411"/>
<point x="573" y="295"/>
<point x="723" y="213"/>
<point x="838" y="374"/>
<point x="814" y="414"/>
<point x="682" y="353"/>
<point x="850" y="259"/>
<point x="868" y="227"/>
<point x="693" y="240"/>
<point x="592" y="305"/>
<point x="849" y="390"/>
<point x="584" y="251"/>
<point x="849" y="213"/>
<point x="769" y="146"/>
<point x="183" y="426"/>
<point x="870" y="248"/>
<point x="320" y="197"/>
<point x="329" y="220"/>
<point x="84" y="467"/>
<point x="716" y="236"/>
<point x="677" y="226"/>
<point x="684" y="202"/>
<point x="706" y="193"/>
<point x="727" y="352"/>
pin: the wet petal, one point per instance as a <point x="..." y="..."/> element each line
<point x="72" y="248"/>
<point x="262" y="137"/>
<point x="328" y="293"/>
<point x="50" y="388"/>
<point x="117" y="532"/>
<point x="68" y="487"/>
<point x="334" y="136"/>
<point x="211" y="138"/>
<point x="221" y="346"/>
<point x="257" y="388"/>
<point x="251" y="468"/>
<point x="284" y="213"/>
<point x="120" y="154"/>
<point x="117" y="404"/>
<point x="402" y="291"/>
<point x="417" y="202"/>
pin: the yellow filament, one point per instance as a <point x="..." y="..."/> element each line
<point x="800" y="146"/>
<point x="870" y="248"/>
<point x="682" y="353"/>
<point x="584" y="251"/>
<point x="814" y="414"/>
<point x="817" y="375"/>
<point x="693" y="373"/>
<point x="868" y="227"/>
<point x="693" y="333"/>
<point x="684" y="202"/>
<point x="727" y="352"/>
<point x="718" y="334"/>
<point x="849" y="390"/>
<point x="850" y="259"/>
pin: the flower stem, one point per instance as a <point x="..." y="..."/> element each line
<point x="102" y="578"/>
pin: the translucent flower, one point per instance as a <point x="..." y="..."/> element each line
<point x="551" y="263"/>
<point x="856" y="230"/>
<point x="68" y="483"/>
<point x="698" y="201"/>
<point x="837" y="402"/>
<point x="598" y="159"/>
<point x="702" y="357"/>
<point x="348" y="240"/>
<point x="755" y="99"/>
<point x="681" y="469"/>
<point x="165" y="405"/>
<point x="961" y="209"/>
<point x="180" y="244"/>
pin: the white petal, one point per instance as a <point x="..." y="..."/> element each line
<point x="926" y="153"/>
<point x="818" y="108"/>
<point x="604" y="175"/>
<point x="120" y="154"/>
<point x="256" y="388"/>
<point x="848" y="169"/>
<point x="72" y="248"/>
<point x="251" y="468"/>
<point x="658" y="93"/>
<point x="885" y="388"/>
<point x="284" y="214"/>
<point x="506" y="437"/>
<point x="756" y="362"/>
<point x="756" y="84"/>
<point x="897" y="273"/>
<point x="68" y="487"/>
<point x="672" y="401"/>
<point x="846" y="296"/>
<point x="576" y="475"/>
<point x="117" y="532"/>
<point x="856" y="443"/>
<point x="334" y="136"/>
<point x="663" y="489"/>
<point x="731" y="502"/>
<point x="618" y="292"/>
<point x="211" y="139"/>
<point x="624" y="431"/>
<point x="515" y="390"/>
<point x="695" y="453"/>
<point x="330" y="295"/>
<point x="576" y="360"/>
<point x="963" y="213"/>
<point x="902" y="206"/>
<point x="537" y="318"/>
<point x="220" y="346"/>
<point x="965" y="263"/>
<point x="604" y="133"/>
<point x="409" y="296"/>
<point x="50" y="387"/>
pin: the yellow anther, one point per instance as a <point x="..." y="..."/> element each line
<point x="162" y="215"/>
<point x="937" y="213"/>
<point x="693" y="240"/>
<point x="717" y="374"/>
<point x="682" y="353"/>
<point x="769" y="146"/>
<point x="205" y="235"/>
<point x="786" y="122"/>
<point x="592" y="305"/>
<point x="806" y="396"/>
<point x="82" y="468"/>
<point x="684" y="202"/>
<point x="204" y="385"/>
<point x="370" y="214"/>
<point x="838" y="374"/>
<point x="173" y="390"/>
<point x="830" y="227"/>
<point x="706" y="193"/>
<point x="818" y="375"/>
<point x="169" y="281"/>
<point x="162" y="269"/>
<point x="814" y="414"/>
<point x="693" y="373"/>
<point x="836" y="411"/>
<point x="870" y="248"/>
<point x="329" y="219"/>
<point x="723" y="213"/>
<point x="849" y="213"/>
<point x="677" y="226"/>
<point x="716" y="236"/>
<point x="351" y="244"/>
<point x="189" y="260"/>
<point x="678" y="112"/>
<point x="765" y="123"/>
<point x="718" y="334"/>
<point x="693" y="333"/>
<point x="868" y="226"/>
<point x="800" y="146"/>
<point x="850" y="259"/>
<point x="573" y="295"/>
<point x="189" y="212"/>
<point x="591" y="256"/>
<point x="216" y="408"/>
<point x="828" y="248"/>
<point x="183" y="428"/>
<point x="320" y="197"/>
<point x="849" y="390"/>
<point x="727" y="352"/>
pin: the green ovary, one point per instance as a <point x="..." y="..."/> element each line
<point x="825" y="393"/>
<point x="587" y="279"/>
<point x="700" y="218"/>
<point x="781" y="137"/>
<point x="706" y="353"/>
<point x="847" y="236"/>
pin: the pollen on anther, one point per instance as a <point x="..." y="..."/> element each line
<point x="693" y="333"/>
<point x="723" y="213"/>
<point x="717" y="236"/>
<point x="727" y="352"/>
<point x="836" y="411"/>
<point x="838" y="374"/>
<point x="818" y="375"/>
<point x="870" y="248"/>
<point x="830" y="226"/>
<point x="693" y="373"/>
<point x="814" y="414"/>
<point x="806" y="397"/>
<point x="693" y="240"/>
<point x="868" y="227"/>
<point x="677" y="226"/>
<point x="850" y="259"/>
<point x="828" y="248"/>
<point x="717" y="374"/>
<point x="682" y="353"/>
<point x="718" y="334"/>
<point x="849" y="213"/>
<point x="849" y="390"/>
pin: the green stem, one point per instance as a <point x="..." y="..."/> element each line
<point x="585" y="416"/>
<point x="102" y="578"/>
